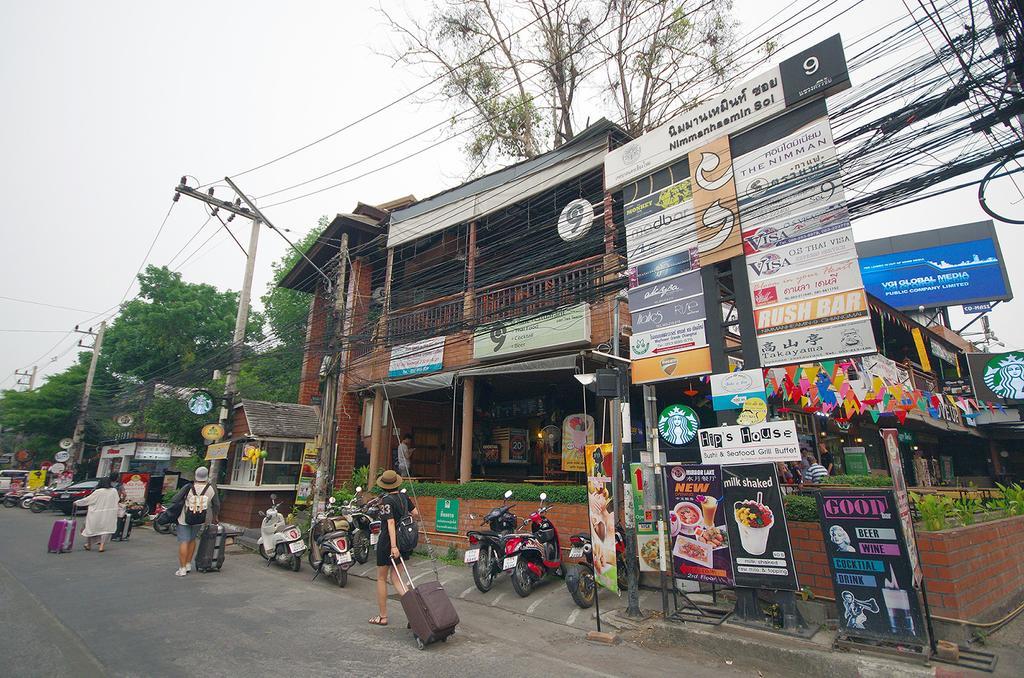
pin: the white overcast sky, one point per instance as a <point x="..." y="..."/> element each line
<point x="106" y="104"/>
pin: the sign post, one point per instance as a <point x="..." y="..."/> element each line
<point x="446" y="516"/>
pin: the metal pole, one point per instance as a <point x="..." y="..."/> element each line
<point x="629" y="523"/>
<point x="651" y="438"/>
<point x="78" y="445"/>
<point x="241" y="318"/>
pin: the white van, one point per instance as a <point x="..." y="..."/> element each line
<point x="9" y="474"/>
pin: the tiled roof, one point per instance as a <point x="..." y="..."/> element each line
<point x="281" y="420"/>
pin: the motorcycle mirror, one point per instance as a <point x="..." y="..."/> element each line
<point x="543" y="496"/>
<point x="404" y="490"/>
<point x="331" y="500"/>
<point x="508" y="494"/>
<point x="359" y="488"/>
<point x="273" y="497"/>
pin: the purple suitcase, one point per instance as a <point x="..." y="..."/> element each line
<point x="62" y="536"/>
<point x="428" y="608"/>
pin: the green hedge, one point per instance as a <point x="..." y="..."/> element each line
<point x="858" y="481"/>
<point x="801" y="507"/>
<point x="561" y="494"/>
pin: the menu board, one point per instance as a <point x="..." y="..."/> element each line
<point x="700" y="539"/>
<point x="871" y="568"/>
<point x="762" y="556"/>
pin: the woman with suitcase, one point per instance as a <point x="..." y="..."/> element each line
<point x="101" y="520"/>
<point x="394" y="506"/>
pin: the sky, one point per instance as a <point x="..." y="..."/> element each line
<point x="107" y="104"/>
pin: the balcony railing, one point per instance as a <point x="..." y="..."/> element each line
<point x="520" y="296"/>
<point x="433" y="317"/>
<point x="536" y="292"/>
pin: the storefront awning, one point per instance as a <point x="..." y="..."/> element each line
<point x="407" y="387"/>
<point x="562" y="362"/>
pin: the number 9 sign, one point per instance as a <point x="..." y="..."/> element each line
<point x="811" y="65"/>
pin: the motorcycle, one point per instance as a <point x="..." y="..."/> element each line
<point x="580" y="577"/>
<point x="41" y="500"/>
<point x="360" y="518"/>
<point x="485" y="546"/>
<point x="161" y="527"/>
<point x="280" y="542"/>
<point x="12" y="497"/>
<point x="331" y="546"/>
<point x="533" y="555"/>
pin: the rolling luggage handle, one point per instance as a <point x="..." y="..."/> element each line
<point x="408" y="576"/>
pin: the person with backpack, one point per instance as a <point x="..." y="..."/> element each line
<point x="199" y="507"/>
<point x="397" y="538"/>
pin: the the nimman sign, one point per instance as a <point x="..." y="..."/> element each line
<point x="751" y="173"/>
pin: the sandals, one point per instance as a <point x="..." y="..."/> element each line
<point x="86" y="547"/>
<point x="379" y="621"/>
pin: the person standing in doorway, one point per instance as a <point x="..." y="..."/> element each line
<point x="200" y="506"/>
<point x="405" y="455"/>
<point x="394" y="506"/>
<point x="827" y="460"/>
<point x="101" y="520"/>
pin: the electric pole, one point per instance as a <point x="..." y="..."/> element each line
<point x="78" y="444"/>
<point x="28" y="374"/>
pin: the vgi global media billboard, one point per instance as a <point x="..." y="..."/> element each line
<point x="940" y="267"/>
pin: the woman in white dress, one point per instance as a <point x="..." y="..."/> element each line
<point x="101" y="520"/>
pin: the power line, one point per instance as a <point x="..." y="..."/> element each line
<point x="42" y="303"/>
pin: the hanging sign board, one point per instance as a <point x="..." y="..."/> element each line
<point x="730" y="390"/>
<point x="665" y="291"/>
<point x="602" y="519"/>
<point x="135" y="486"/>
<point x="563" y="328"/>
<point x="871" y="566"/>
<point x="762" y="556"/>
<point x="217" y="451"/>
<point x="818" y="343"/>
<point x="577" y="433"/>
<point x="419" y="357"/>
<point x="700" y="539"/>
<point x="771" y="441"/>
<point x="307" y="474"/>
<point x="890" y="440"/>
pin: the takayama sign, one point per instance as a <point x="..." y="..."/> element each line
<point x="818" y="343"/>
<point x="871" y="567"/>
<point x="817" y="71"/>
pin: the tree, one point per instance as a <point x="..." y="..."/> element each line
<point x="174" y="332"/>
<point x="519" y="66"/>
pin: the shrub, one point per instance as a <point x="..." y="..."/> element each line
<point x="1012" y="501"/>
<point x="965" y="508"/>
<point x="801" y="507"/>
<point x="933" y="509"/>
<point x="858" y="481"/>
<point x="560" y="494"/>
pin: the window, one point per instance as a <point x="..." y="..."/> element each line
<point x="282" y="463"/>
<point x="242" y="472"/>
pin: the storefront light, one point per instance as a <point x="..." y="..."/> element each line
<point x="860" y="440"/>
<point x="915" y="448"/>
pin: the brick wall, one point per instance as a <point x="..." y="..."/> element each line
<point x="242" y="508"/>
<point x="568" y="519"/>
<point x="974" y="573"/>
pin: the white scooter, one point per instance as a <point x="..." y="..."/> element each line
<point x="280" y="542"/>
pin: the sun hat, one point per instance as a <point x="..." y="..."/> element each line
<point x="202" y="474"/>
<point x="389" y="480"/>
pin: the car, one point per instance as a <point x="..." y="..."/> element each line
<point x="64" y="500"/>
<point x="7" y="476"/>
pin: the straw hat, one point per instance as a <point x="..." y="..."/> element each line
<point x="389" y="480"/>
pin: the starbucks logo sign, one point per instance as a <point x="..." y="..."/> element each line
<point x="678" y="424"/>
<point x="1004" y="375"/>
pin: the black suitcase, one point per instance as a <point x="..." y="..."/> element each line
<point x="210" y="552"/>
<point x="124" y="529"/>
<point x="430" y="612"/>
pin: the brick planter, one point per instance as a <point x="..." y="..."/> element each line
<point x="568" y="519"/>
<point x="974" y="573"/>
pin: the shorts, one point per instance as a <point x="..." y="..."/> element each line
<point x="187" y="533"/>
<point x="384" y="553"/>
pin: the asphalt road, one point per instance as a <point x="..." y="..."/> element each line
<point x="123" y="613"/>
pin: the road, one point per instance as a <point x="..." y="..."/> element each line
<point x="124" y="613"/>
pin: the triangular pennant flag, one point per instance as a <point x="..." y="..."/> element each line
<point x="901" y="416"/>
<point x="874" y="415"/>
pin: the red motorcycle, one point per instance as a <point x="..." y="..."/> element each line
<point x="532" y="556"/>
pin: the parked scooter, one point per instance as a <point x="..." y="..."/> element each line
<point x="533" y="555"/>
<point x="359" y="519"/>
<point x="41" y="500"/>
<point x="25" y="500"/>
<point x="332" y="546"/>
<point x="280" y="542"/>
<point x="161" y="527"/>
<point x="485" y="546"/>
<point x="580" y="577"/>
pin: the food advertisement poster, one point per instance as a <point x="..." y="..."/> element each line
<point x="577" y="433"/>
<point x="602" y="519"/>
<point x="307" y="475"/>
<point x="700" y="540"/>
<point x="870" y="565"/>
<point x="646" y="521"/>
<point x="891" y="442"/>
<point x="762" y="556"/>
<point x="135" y="486"/>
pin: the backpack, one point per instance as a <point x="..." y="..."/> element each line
<point x="195" y="506"/>
<point x="407" y="531"/>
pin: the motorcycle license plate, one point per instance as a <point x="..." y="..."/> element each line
<point x="576" y="552"/>
<point x="472" y="555"/>
<point x="297" y="547"/>
<point x="345" y="558"/>
<point x="510" y="562"/>
<point x="374" y="538"/>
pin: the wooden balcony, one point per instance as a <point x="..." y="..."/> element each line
<point x="520" y="296"/>
<point x="536" y="292"/>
